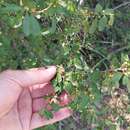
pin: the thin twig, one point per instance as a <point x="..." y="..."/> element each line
<point x="105" y="42"/>
<point x="44" y="10"/>
<point x="95" y="51"/>
<point x="121" y="5"/>
<point x="110" y="55"/>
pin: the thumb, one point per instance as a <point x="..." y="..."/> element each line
<point x="26" y="78"/>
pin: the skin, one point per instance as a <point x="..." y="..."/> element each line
<point x="21" y="97"/>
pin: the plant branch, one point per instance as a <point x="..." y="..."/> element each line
<point x="110" y="55"/>
<point x="121" y="5"/>
<point x="44" y="10"/>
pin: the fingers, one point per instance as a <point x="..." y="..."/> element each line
<point x="25" y="109"/>
<point x="44" y="89"/>
<point x="39" y="104"/>
<point x="30" y="77"/>
<point x="38" y="121"/>
<point x="38" y="97"/>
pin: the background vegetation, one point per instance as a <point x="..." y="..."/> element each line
<point x="89" y="40"/>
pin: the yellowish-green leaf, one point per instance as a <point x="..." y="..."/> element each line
<point x="102" y="23"/>
<point x="111" y="20"/>
<point x="98" y="8"/>
<point x="93" y="26"/>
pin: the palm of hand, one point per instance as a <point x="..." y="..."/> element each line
<point x="21" y="109"/>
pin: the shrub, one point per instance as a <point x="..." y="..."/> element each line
<point x="89" y="40"/>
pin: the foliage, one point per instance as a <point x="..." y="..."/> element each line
<point x="88" y="39"/>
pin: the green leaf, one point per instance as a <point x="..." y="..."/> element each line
<point x="34" y="26"/>
<point x="55" y="107"/>
<point x="26" y="25"/>
<point x="46" y="113"/>
<point x="11" y="8"/>
<point x="94" y="83"/>
<point x="31" y="26"/>
<point x="53" y="28"/>
<point x="102" y="23"/>
<point x="116" y="77"/>
<point x="49" y="127"/>
<point x="95" y="76"/>
<point x="108" y="12"/>
<point x="84" y="101"/>
<point x="98" y="8"/>
<point x="71" y="6"/>
<point x="93" y="26"/>
<point x="126" y="81"/>
<point x="124" y="57"/>
<point x="59" y="11"/>
<point x="29" y="4"/>
<point x="96" y="92"/>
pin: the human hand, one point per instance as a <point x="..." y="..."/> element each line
<point x="21" y="97"/>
